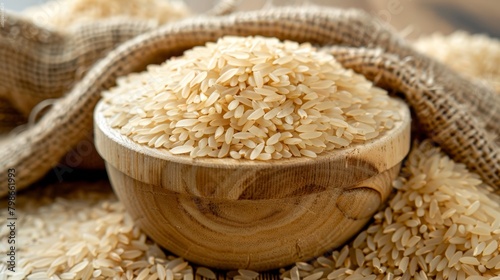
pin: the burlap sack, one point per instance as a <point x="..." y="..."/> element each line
<point x="462" y="117"/>
<point x="61" y="70"/>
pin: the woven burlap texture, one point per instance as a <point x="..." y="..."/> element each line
<point x="89" y="48"/>
<point x="50" y="61"/>
<point x="462" y="117"/>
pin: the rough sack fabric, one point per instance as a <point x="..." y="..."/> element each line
<point x="76" y="47"/>
<point x="48" y="61"/>
<point x="462" y="117"/>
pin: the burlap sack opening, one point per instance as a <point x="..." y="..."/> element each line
<point x="462" y="117"/>
<point x="75" y="47"/>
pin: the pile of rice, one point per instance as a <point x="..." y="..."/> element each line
<point x="249" y="97"/>
<point x="62" y="14"/>
<point x="441" y="223"/>
<point x="85" y="234"/>
<point x="475" y="56"/>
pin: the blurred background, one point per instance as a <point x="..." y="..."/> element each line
<point x="411" y="18"/>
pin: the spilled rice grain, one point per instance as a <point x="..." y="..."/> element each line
<point x="111" y="246"/>
<point x="439" y="244"/>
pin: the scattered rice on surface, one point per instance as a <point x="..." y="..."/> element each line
<point x="249" y="97"/>
<point x="84" y="235"/>
<point x="61" y="14"/>
<point x="441" y="223"/>
<point x="475" y="56"/>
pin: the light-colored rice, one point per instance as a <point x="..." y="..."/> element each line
<point x="62" y="14"/>
<point x="84" y="234"/>
<point x="92" y="221"/>
<point x="401" y="244"/>
<point x="205" y="272"/>
<point x="282" y="88"/>
<point x="474" y="56"/>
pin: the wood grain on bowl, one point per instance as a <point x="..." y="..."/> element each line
<point x="230" y="214"/>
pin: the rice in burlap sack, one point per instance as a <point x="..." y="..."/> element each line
<point x="475" y="56"/>
<point x="459" y="115"/>
<point x="80" y="33"/>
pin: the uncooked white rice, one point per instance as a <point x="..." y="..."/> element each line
<point x="254" y="98"/>
<point x="475" y="56"/>
<point x="441" y="223"/>
<point x="87" y="221"/>
<point x="205" y="272"/>
<point x="62" y="14"/>
<point x="85" y="234"/>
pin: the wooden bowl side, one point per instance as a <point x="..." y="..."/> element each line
<point x="254" y="234"/>
<point x="231" y="214"/>
<point x="253" y="180"/>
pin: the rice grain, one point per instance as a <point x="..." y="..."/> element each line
<point x="62" y="14"/>
<point x="253" y="88"/>
<point x="405" y="244"/>
<point x="112" y="244"/>
<point x="205" y="272"/>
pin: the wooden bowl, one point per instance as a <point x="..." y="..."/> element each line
<point x="259" y="215"/>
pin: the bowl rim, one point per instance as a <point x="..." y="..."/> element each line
<point x="397" y="138"/>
